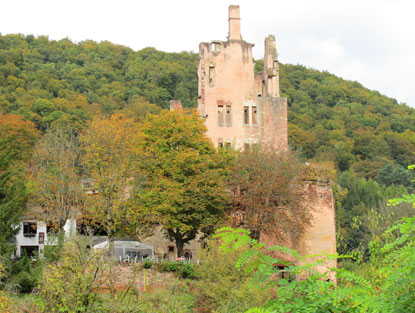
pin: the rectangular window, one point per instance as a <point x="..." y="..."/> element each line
<point x="220" y="143"/>
<point x="228" y="115"/>
<point x="246" y="115"/>
<point x="211" y="74"/>
<point x="228" y="145"/>
<point x="254" y="116"/>
<point x="246" y="146"/>
<point x="51" y="228"/>
<point x="29" y="229"/>
<point x="221" y="120"/>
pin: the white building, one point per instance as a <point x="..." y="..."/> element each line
<point x="33" y="236"/>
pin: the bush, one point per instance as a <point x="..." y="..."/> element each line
<point x="4" y="302"/>
<point x="221" y="287"/>
<point x="147" y="264"/>
<point x="24" y="282"/>
<point x="187" y="270"/>
<point x="72" y="284"/>
<point x="169" y="266"/>
<point x="23" y="277"/>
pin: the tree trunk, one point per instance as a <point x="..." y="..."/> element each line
<point x="111" y="245"/>
<point x="180" y="247"/>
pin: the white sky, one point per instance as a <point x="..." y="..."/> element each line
<point x="371" y="41"/>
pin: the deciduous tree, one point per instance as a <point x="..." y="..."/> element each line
<point x="184" y="178"/>
<point x="110" y="153"/>
<point x="58" y="193"/>
<point x="16" y="140"/>
<point x="266" y="189"/>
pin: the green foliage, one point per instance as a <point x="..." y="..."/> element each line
<point x="337" y="120"/>
<point x="386" y="284"/>
<point x="187" y="270"/>
<point x="16" y="140"/>
<point x="360" y="197"/>
<point x="169" y="266"/>
<point x="395" y="175"/>
<point x="52" y="253"/>
<point x="59" y="82"/>
<point x="147" y="264"/>
<point x="73" y="283"/>
<point x="182" y="177"/>
<point x="24" y="276"/>
<point x="24" y="282"/>
<point x="221" y="287"/>
<point x="175" y="297"/>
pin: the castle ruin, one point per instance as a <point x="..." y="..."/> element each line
<point x="242" y="108"/>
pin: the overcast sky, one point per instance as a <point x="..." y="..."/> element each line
<point x="371" y="41"/>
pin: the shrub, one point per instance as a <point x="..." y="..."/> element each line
<point x="23" y="277"/>
<point x="187" y="270"/>
<point x="221" y="287"/>
<point x="4" y="302"/>
<point x="147" y="264"/>
<point x="72" y="284"/>
<point x="169" y="266"/>
<point x="24" y="282"/>
<point x="52" y="253"/>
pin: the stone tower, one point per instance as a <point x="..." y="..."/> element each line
<point x="241" y="108"/>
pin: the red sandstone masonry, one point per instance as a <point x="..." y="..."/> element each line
<point x="227" y="78"/>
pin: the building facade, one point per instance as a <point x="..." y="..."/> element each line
<point x="242" y="108"/>
<point x="34" y="235"/>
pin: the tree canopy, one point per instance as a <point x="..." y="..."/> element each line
<point x="65" y="84"/>
<point x="183" y="176"/>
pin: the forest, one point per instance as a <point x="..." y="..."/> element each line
<point x="97" y="110"/>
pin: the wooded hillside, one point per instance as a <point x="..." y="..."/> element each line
<point x="51" y="82"/>
<point x="368" y="137"/>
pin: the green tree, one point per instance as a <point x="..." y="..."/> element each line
<point x="394" y="175"/>
<point x="183" y="177"/>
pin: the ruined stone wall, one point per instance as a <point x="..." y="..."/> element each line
<point x="227" y="82"/>
<point x="321" y="236"/>
<point x="241" y="108"/>
<point x="274" y="130"/>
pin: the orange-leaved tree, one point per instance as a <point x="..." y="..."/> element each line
<point x="110" y="155"/>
